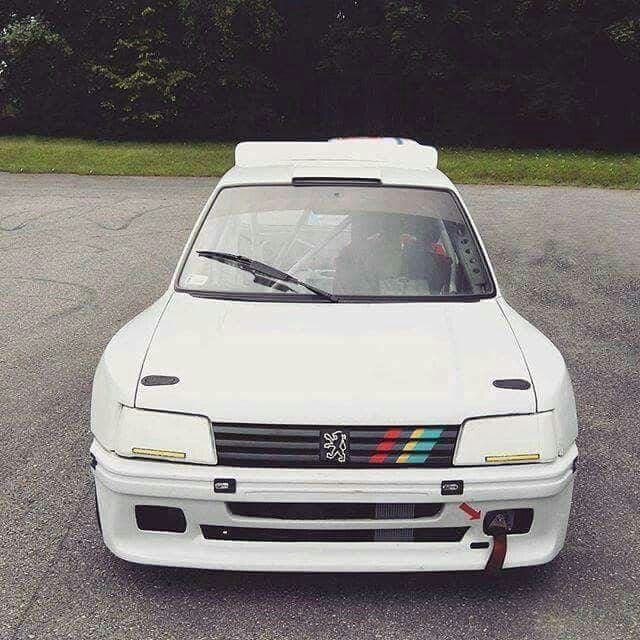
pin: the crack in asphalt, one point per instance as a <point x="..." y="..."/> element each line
<point x="40" y="216"/>
<point x="131" y="219"/>
<point x="56" y="558"/>
<point x="84" y="305"/>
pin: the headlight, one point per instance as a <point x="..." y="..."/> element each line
<point x="507" y="439"/>
<point x="164" y="436"/>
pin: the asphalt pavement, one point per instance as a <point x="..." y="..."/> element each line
<point x="79" y="256"/>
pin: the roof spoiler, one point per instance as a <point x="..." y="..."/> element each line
<point x="394" y="152"/>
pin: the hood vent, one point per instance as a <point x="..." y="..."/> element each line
<point x="512" y="383"/>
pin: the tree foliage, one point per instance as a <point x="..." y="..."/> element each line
<point x="140" y="78"/>
<point x="523" y="72"/>
<point x="37" y="75"/>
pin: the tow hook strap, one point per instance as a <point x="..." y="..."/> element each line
<point x="498" y="529"/>
<point x="499" y="551"/>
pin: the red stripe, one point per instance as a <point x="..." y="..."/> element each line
<point x="385" y="445"/>
<point x="377" y="458"/>
<point x="438" y="249"/>
<point x="393" y="433"/>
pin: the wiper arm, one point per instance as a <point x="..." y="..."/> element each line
<point x="261" y="269"/>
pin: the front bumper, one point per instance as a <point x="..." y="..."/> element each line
<point x="122" y="483"/>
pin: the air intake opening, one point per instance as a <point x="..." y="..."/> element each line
<point x="316" y="180"/>
<point x="154" y="518"/>
<point x="333" y="511"/>
<point x="260" y="534"/>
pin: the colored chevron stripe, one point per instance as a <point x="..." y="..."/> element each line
<point x="427" y="433"/>
<point x="411" y="458"/>
<point x="414" y="445"/>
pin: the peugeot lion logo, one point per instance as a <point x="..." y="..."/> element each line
<point x="335" y="446"/>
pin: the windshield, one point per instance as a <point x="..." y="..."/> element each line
<point x="355" y="242"/>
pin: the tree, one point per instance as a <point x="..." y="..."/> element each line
<point x="140" y="78"/>
<point x="231" y="54"/>
<point x="505" y="72"/>
<point x="39" y="76"/>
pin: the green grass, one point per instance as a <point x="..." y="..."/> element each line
<point x="30" y="154"/>
<point x="542" y="167"/>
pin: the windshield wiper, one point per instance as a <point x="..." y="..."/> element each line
<point x="261" y="269"/>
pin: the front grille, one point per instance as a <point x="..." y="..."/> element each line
<point x="261" y="445"/>
<point x="260" y="534"/>
<point x="334" y="511"/>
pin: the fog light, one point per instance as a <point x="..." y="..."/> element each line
<point x="508" y="521"/>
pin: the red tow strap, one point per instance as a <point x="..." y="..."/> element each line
<point x="498" y="553"/>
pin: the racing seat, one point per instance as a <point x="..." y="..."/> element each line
<point x="393" y="248"/>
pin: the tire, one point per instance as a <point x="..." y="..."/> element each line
<point x="95" y="495"/>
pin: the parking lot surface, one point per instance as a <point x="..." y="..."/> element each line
<point x="79" y="256"/>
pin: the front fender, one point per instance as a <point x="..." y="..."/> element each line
<point x="550" y="376"/>
<point x="116" y="378"/>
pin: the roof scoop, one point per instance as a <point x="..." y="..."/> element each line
<point x="323" y="180"/>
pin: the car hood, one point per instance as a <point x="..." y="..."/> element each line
<point x="334" y="364"/>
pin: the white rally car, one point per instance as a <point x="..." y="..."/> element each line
<point x="333" y="382"/>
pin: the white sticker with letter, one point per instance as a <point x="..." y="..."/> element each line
<point x="195" y="280"/>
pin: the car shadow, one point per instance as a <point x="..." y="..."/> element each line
<point x="468" y="584"/>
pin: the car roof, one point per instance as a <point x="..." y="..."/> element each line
<point x="393" y="161"/>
